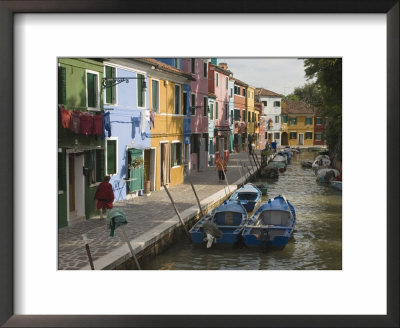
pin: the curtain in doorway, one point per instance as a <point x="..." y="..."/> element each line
<point x="165" y="163"/>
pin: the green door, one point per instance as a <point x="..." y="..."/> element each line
<point x="137" y="173"/>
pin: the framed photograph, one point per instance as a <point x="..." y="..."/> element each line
<point x="38" y="37"/>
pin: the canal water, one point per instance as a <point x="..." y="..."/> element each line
<point x="316" y="242"/>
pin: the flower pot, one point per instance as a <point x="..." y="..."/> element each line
<point x="147" y="187"/>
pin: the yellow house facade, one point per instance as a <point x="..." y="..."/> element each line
<point x="297" y="124"/>
<point x="250" y="111"/>
<point x="167" y="111"/>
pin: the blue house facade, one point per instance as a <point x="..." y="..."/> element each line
<point x="127" y="105"/>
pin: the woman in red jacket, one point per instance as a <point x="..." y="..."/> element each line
<point x="104" y="196"/>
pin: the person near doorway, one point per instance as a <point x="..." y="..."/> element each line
<point x="104" y="196"/>
<point x="221" y="167"/>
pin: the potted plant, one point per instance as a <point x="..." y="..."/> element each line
<point x="146" y="182"/>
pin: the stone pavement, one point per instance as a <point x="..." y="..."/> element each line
<point x="147" y="217"/>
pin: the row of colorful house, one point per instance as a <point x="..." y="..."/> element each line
<point x="159" y="117"/>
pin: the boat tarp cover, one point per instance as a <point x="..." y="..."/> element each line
<point x="275" y="217"/>
<point x="247" y="196"/>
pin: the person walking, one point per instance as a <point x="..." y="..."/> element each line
<point x="221" y="167"/>
<point x="104" y="196"/>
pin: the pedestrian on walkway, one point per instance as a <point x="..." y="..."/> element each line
<point x="221" y="167"/>
<point x="104" y="196"/>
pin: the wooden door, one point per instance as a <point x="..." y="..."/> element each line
<point x="71" y="182"/>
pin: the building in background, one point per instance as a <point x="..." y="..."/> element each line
<point x="272" y="110"/>
<point x="231" y="114"/>
<point x="239" y="91"/>
<point x="127" y="104"/>
<point x="166" y="101"/>
<point x="259" y="126"/>
<point x="211" y="125"/>
<point x="218" y="84"/>
<point x="250" y="115"/>
<point x="297" y="124"/>
<point x="198" y="68"/>
<point x="81" y="156"/>
<point x="319" y="128"/>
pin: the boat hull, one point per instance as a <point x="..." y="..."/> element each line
<point x="276" y="230"/>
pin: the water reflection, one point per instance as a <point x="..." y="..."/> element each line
<point x="317" y="238"/>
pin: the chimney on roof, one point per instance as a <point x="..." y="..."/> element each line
<point x="223" y="65"/>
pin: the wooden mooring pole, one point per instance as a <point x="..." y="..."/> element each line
<point x="194" y="190"/>
<point x="226" y="180"/>
<point x="88" y="251"/>
<point x="176" y="210"/>
<point x="130" y="247"/>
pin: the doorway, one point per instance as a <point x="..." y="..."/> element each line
<point x="76" y="186"/>
<point x="301" y="139"/>
<point x="285" y="140"/>
<point x="165" y="163"/>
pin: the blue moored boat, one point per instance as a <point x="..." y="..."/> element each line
<point x="223" y="225"/>
<point x="272" y="225"/>
<point x="248" y="196"/>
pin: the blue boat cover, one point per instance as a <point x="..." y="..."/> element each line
<point x="277" y="203"/>
<point x="248" y="188"/>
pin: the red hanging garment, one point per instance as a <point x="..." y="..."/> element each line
<point x="86" y="124"/>
<point x="75" y="122"/>
<point x="65" y="118"/>
<point x="98" y="125"/>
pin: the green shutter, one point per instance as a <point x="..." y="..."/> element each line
<point x="216" y="110"/>
<point x="100" y="172"/>
<point x="91" y="93"/>
<point x="62" y="170"/>
<point x="140" y="89"/>
<point x="137" y="173"/>
<point x="111" y="157"/>
<point x="211" y="111"/>
<point x="62" y="85"/>
<point x="110" y="91"/>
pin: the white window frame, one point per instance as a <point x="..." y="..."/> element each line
<point x="182" y="160"/>
<point x="116" y="155"/>
<point x="96" y="109"/>
<point x="180" y="100"/>
<point x="159" y="95"/>
<point x="277" y="119"/>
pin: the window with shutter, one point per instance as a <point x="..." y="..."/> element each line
<point x="177" y="99"/>
<point x="193" y="104"/>
<point x="205" y="70"/>
<point x="155" y="94"/>
<point x="193" y="65"/>
<point x="308" y="135"/>
<point x="226" y="83"/>
<point x="110" y="90"/>
<point x="308" y="120"/>
<point x="216" y="110"/>
<point x="216" y="79"/>
<point x="205" y="102"/>
<point x="62" y="85"/>
<point x="140" y="95"/>
<point x="92" y="90"/>
<point x="111" y="157"/>
<point x="211" y="111"/>
<point x="99" y="165"/>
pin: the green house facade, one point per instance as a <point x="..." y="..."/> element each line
<point x="81" y="157"/>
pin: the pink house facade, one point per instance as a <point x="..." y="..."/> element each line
<point x="218" y="84"/>
<point x="198" y="99"/>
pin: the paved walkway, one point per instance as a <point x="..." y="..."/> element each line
<point x="145" y="215"/>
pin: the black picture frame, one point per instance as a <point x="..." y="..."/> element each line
<point x="7" y="11"/>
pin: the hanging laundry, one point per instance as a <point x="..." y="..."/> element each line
<point x="65" y="117"/>
<point x="152" y="117"/>
<point x="107" y="123"/>
<point x="86" y="124"/>
<point x="98" y="125"/>
<point x="143" y="121"/>
<point x="75" y="122"/>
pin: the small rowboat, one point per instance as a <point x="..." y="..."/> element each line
<point x="271" y="225"/>
<point x="248" y="196"/>
<point x="222" y="226"/>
